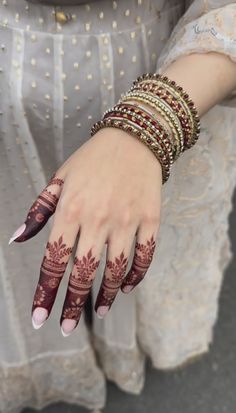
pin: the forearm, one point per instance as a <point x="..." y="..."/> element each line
<point x="206" y="77"/>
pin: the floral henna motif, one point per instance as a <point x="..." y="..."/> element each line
<point x="39" y="296"/>
<point x="80" y="283"/>
<point x="113" y="277"/>
<point x="40" y="211"/>
<point x="51" y="272"/>
<point x="142" y="260"/>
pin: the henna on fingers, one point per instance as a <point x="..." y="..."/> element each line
<point x="112" y="280"/>
<point x="80" y="283"/>
<point x="141" y="262"/>
<point x="51" y="272"/>
<point x="40" y="211"/>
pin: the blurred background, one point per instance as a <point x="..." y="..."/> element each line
<point x="207" y="385"/>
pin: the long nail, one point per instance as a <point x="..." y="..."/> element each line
<point x="17" y="233"/>
<point x="39" y="316"/>
<point x="67" y="326"/>
<point x="102" y="311"/>
<point x="127" y="288"/>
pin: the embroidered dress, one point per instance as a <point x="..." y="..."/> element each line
<point x="61" y="67"/>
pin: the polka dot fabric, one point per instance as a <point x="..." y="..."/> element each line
<point x="70" y="73"/>
<point x="57" y="77"/>
<point x="61" y="67"/>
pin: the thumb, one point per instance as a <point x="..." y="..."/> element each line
<point x="40" y="211"/>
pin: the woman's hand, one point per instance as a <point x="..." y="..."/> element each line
<point x="108" y="191"/>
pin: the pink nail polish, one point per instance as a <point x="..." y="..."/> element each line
<point x="127" y="288"/>
<point x="39" y="317"/>
<point x="102" y="311"/>
<point x="67" y="326"/>
<point x="17" y="233"/>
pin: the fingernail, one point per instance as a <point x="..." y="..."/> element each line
<point x="67" y="326"/>
<point x="17" y="233"/>
<point x="127" y="288"/>
<point x="39" y="316"/>
<point x="102" y="311"/>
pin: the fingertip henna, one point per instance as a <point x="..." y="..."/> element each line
<point x="40" y="211"/>
<point x="51" y="272"/>
<point x="141" y="262"/>
<point x="112" y="280"/>
<point x="80" y="283"/>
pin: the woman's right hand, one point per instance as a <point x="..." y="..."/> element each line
<point x="107" y="191"/>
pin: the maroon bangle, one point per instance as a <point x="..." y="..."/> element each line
<point x="183" y="95"/>
<point x="159" y="132"/>
<point x="166" y="96"/>
<point x="132" y="118"/>
<point x="124" y="124"/>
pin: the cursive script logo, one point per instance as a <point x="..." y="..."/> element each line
<point x="211" y="30"/>
<point x="214" y="33"/>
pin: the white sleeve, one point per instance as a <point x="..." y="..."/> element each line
<point x="205" y="26"/>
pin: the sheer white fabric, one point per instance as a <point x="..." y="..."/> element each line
<point x="55" y="82"/>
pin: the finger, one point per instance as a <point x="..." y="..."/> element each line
<point x="55" y="260"/>
<point x="86" y="262"/>
<point x="118" y="251"/>
<point x="143" y="254"/>
<point x="40" y="211"/>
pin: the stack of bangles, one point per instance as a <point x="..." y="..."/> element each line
<point x="171" y="102"/>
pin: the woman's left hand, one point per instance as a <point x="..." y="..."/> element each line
<point x="108" y="191"/>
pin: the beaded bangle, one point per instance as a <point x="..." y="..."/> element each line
<point x="176" y="105"/>
<point x="168" y="115"/>
<point x="141" y="134"/>
<point x="174" y="143"/>
<point x="157" y="131"/>
<point x="148" y="129"/>
<point x="181" y="93"/>
<point x="127" y="126"/>
<point x="173" y="104"/>
<point x="181" y="120"/>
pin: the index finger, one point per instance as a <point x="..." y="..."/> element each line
<point x="40" y="211"/>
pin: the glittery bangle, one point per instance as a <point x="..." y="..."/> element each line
<point x="154" y="134"/>
<point x="177" y="116"/>
<point x="183" y="97"/>
<point x="154" y="129"/>
<point x="127" y="126"/>
<point x="173" y="104"/>
<point x="138" y="132"/>
<point x="159" y="122"/>
<point x="170" y="117"/>
<point x="177" y="105"/>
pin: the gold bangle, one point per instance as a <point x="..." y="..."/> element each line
<point x="151" y="129"/>
<point x="179" y="94"/>
<point x="185" y="108"/>
<point x="140" y="133"/>
<point x="168" y="116"/>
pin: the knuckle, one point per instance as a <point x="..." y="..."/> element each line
<point x="125" y="218"/>
<point x="100" y="217"/>
<point x="151" y="217"/>
<point x="68" y="209"/>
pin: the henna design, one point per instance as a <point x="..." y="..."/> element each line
<point x="80" y="283"/>
<point x="113" y="277"/>
<point x="51" y="272"/>
<point x="142" y="260"/>
<point x="41" y="210"/>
